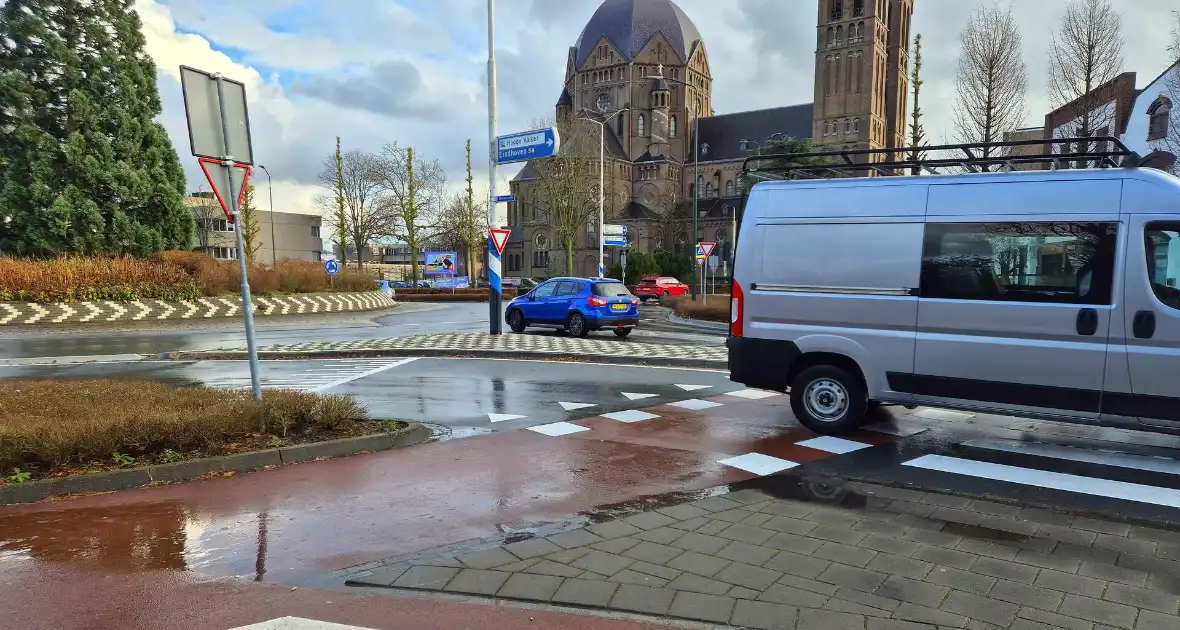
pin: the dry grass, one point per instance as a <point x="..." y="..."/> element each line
<point x="715" y="310"/>
<point x="170" y="276"/>
<point x="48" y="426"/>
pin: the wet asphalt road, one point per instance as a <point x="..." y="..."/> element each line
<point x="416" y="319"/>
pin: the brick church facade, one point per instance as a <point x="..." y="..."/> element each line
<point x="647" y="58"/>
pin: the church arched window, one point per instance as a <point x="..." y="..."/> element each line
<point x="672" y="127"/>
<point x="641" y="126"/>
<point x="1159" y="114"/>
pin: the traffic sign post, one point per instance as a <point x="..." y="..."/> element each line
<point x="529" y="145"/>
<point x="331" y="267"/>
<point x="614" y="235"/>
<point x="704" y="250"/>
<point x="497" y="239"/>
<point x="219" y="132"/>
<point x="505" y="198"/>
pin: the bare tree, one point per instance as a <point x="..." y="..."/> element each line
<point x="566" y="188"/>
<point x="671" y="218"/>
<point x="917" y="131"/>
<point x="206" y="211"/>
<point x="992" y="79"/>
<point x="355" y="213"/>
<point x="1174" y="46"/>
<point x="1086" y="53"/>
<point x="412" y="191"/>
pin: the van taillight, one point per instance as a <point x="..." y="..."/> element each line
<point x="736" y="310"/>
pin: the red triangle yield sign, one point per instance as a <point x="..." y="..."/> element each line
<point x="219" y="181"/>
<point x="499" y="238"/>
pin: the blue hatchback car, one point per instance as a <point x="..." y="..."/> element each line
<point x="577" y="305"/>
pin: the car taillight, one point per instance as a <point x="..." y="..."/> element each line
<point x="736" y="310"/>
<point x="635" y="301"/>
<point x="596" y="301"/>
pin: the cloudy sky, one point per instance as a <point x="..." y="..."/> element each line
<point x="413" y="71"/>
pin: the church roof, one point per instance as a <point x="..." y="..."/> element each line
<point x="723" y="134"/>
<point x="630" y="25"/>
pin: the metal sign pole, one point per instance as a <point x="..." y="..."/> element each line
<point x="247" y="305"/>
<point x="493" y="267"/>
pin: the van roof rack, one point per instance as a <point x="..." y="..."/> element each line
<point x="1104" y="151"/>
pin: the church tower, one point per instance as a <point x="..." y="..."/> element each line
<point x="861" y="73"/>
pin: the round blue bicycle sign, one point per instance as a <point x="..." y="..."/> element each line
<point x="331" y="267"/>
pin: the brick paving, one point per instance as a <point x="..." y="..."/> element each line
<point x="904" y="560"/>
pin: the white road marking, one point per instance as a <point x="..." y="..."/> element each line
<point x="758" y="464"/>
<point x="630" y="415"/>
<point x="752" y="394"/>
<point x="297" y="623"/>
<point x="353" y="377"/>
<point x="571" y="406"/>
<point x="503" y="417"/>
<point x="692" y="388"/>
<point x="1116" y="459"/>
<point x="631" y="396"/>
<point x="836" y="445"/>
<point x="557" y="429"/>
<point x="943" y="414"/>
<point x="1055" y="481"/>
<point x="695" y="404"/>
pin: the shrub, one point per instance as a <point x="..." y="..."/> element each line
<point x="716" y="310"/>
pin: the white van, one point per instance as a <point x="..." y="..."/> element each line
<point x="1045" y="293"/>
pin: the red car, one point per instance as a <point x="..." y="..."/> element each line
<point x="656" y="287"/>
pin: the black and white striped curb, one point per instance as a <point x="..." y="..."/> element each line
<point x="32" y="314"/>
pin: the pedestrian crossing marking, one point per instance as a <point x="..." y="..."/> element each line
<point x="504" y="417"/>
<point x="758" y="464"/>
<point x="633" y="396"/>
<point x="573" y="406"/>
<point x="692" y="388"/>
<point x="557" y="429"/>
<point x="752" y="394"/>
<point x="695" y="404"/>
<point x="630" y="415"/>
<point x="834" y="445"/>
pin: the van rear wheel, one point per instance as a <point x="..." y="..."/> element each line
<point x="829" y="400"/>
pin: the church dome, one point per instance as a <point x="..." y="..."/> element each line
<point x="630" y="25"/>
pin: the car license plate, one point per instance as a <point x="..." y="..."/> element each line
<point x="619" y="307"/>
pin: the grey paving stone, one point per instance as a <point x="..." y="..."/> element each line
<point x="712" y="528"/>
<point x="946" y="500"/>
<point x="616" y="545"/>
<point x="1143" y="598"/>
<point x="749" y="496"/>
<point x="627" y="576"/>
<point x="1025" y="595"/>
<point x="1126" y="545"/>
<point x="716" y="504"/>
<point x="691" y="524"/>
<point x="828" y="516"/>
<point x="652" y="552"/>
<point x="384" y="576"/>
<point x="698" y="563"/>
<point x="1111" y="573"/>
<point x="1005" y="570"/>
<point x="913" y="591"/>
<point x="795" y="564"/>
<point x="1013" y="525"/>
<point x="1102" y="527"/>
<point x="756" y="519"/>
<point x="539" y="588"/>
<point x="806" y="584"/>
<point x="488" y="558"/>
<point x="793" y="543"/>
<point x="1066" y="534"/>
<point x="574" y="538"/>
<point x="654" y="569"/>
<point x="979" y="607"/>
<point x="1039" y="515"/>
<point x="908" y="507"/>
<point x="748" y="576"/>
<point x="697" y="584"/>
<point x="585" y="593"/>
<point x="793" y="509"/>
<point x="613" y="529"/>
<point x="1098" y="611"/>
<point x="810" y="619"/>
<point x="643" y="599"/>
<point x="660" y="535"/>
<point x="987" y="549"/>
<point x="1050" y="561"/>
<point x="569" y="555"/>
<point x="933" y="616"/>
<point x="936" y="538"/>
<point x="853" y="608"/>
<point x="895" y="624"/>
<point x="898" y="565"/>
<point x="989" y="507"/>
<point x="837" y="534"/>
<point x="883" y="528"/>
<point x="477" y="582"/>
<point x="747" y="553"/>
<point x="1150" y="620"/>
<point x="961" y="580"/>
<point x="425" y="577"/>
<point x="852" y="577"/>
<point x="590" y="575"/>
<point x="746" y="533"/>
<point x="945" y="557"/>
<point x="683" y="512"/>
<point x="741" y="592"/>
<point x="780" y="594"/>
<point x="889" y="544"/>
<point x="700" y="543"/>
<point x="602" y="562"/>
<point x="764" y="616"/>
<point x="649" y="520"/>
<point x="966" y="517"/>
<point x="1054" y="619"/>
<point x="531" y="548"/>
<point x="845" y="554"/>
<point x="549" y="567"/>
<point x="517" y="567"/>
<point x="732" y="516"/>
<point x="789" y="525"/>
<point x="878" y="602"/>
<point x="702" y="607"/>
<point x="1070" y="583"/>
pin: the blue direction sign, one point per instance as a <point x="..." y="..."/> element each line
<point x="331" y="267"/>
<point x="505" y="198"/>
<point x="519" y="147"/>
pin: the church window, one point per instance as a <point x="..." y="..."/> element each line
<point x="641" y="126"/>
<point x="837" y="12"/>
<point x="858" y="8"/>
<point x="859" y="70"/>
<point x="840" y="35"/>
<point x="847" y="125"/>
<point x="672" y="127"/>
<point x="831" y="37"/>
<point x="855" y="125"/>
<point x="1159" y="114"/>
<point x="700" y="182"/>
<point x="709" y="189"/>
<point x="836" y="75"/>
<point x="729" y="188"/>
<point x="619" y="125"/>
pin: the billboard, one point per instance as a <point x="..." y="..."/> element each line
<point x="441" y="263"/>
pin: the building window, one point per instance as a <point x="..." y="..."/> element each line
<point x="219" y="225"/>
<point x="709" y="189"/>
<point x="540" y="260"/>
<point x="640" y="126"/>
<point x="837" y="12"/>
<point x="729" y="188"/>
<point x="1162" y="241"/>
<point x="700" y="183"/>
<point x="223" y="253"/>
<point x="672" y="127"/>
<point x="1159" y="118"/>
<point x="855" y="125"/>
<point x="859" y="63"/>
<point x="839" y="35"/>
<point x="1056" y="263"/>
<point x="831" y="37"/>
<point x="315" y="231"/>
<point x="619" y="125"/>
<point x="847" y="125"/>
<point x="836" y="75"/>
<point x="858" y="8"/>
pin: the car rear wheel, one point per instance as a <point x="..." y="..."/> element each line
<point x="577" y="326"/>
<point x="829" y="400"/>
<point x="622" y="332"/>
<point x="516" y="321"/>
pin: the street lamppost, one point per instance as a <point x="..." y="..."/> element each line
<point x="270" y="190"/>
<point x="601" y="180"/>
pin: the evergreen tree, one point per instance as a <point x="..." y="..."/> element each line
<point x="86" y="168"/>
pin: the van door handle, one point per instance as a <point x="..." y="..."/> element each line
<point x="1087" y="322"/>
<point x="1143" y="326"/>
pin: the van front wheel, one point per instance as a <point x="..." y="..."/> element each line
<point x="829" y="400"/>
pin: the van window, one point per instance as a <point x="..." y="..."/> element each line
<point x="1162" y="241"/>
<point x="1058" y="263"/>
